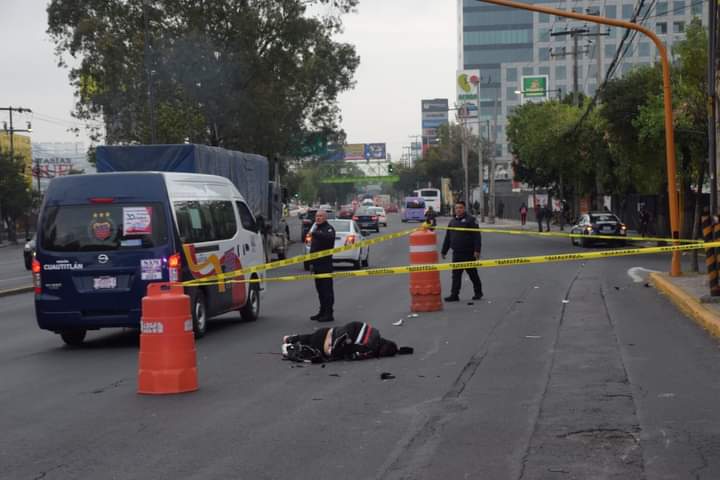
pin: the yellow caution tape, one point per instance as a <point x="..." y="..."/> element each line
<point x="498" y="262"/>
<point x="569" y="235"/>
<point x="299" y="258"/>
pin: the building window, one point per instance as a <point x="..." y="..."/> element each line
<point x="511" y="74"/>
<point x="679" y="8"/>
<point x="627" y="11"/>
<point x="592" y="71"/>
<point x="544" y="71"/>
<point x="544" y="35"/>
<point x="498" y="37"/>
<point x="510" y="93"/>
<point x="696" y="8"/>
<point x="610" y="11"/>
<point x="543" y="18"/>
<point x="528" y="71"/>
<point x="661" y="9"/>
<point x="560" y="72"/>
<point x="498" y="149"/>
<point x="678" y="27"/>
<point x="610" y="50"/>
<point x="644" y="49"/>
<point x="661" y="27"/>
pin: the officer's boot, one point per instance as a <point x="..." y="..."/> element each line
<point x="327" y="316"/>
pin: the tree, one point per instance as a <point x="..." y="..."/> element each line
<point x="15" y="196"/>
<point x="253" y="75"/>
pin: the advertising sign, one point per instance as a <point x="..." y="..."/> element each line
<point x="375" y="151"/>
<point x="434" y="114"/>
<point x="535" y="87"/>
<point x="466" y="84"/>
<point x="354" y="151"/>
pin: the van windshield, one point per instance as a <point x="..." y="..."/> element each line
<point x="415" y="203"/>
<point x="102" y="227"/>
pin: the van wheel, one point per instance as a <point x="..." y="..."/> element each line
<point x="356" y="264"/>
<point x="73" y="338"/>
<point x="306" y="266"/>
<point x="251" y="310"/>
<point x="366" y="262"/>
<point x="199" y="314"/>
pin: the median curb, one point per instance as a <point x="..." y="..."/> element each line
<point x="15" y="291"/>
<point x="702" y="314"/>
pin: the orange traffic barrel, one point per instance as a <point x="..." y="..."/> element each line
<point x="425" y="289"/>
<point x="167" y="362"/>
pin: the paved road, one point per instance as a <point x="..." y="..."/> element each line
<point x="563" y="371"/>
<point x="12" y="268"/>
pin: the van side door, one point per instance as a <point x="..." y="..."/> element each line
<point x="252" y="248"/>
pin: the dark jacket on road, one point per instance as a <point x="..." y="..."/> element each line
<point x="323" y="238"/>
<point x="463" y="244"/>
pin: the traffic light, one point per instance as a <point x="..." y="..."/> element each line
<point x="390" y="168"/>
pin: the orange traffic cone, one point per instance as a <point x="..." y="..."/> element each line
<point x="167" y="360"/>
<point x="425" y="289"/>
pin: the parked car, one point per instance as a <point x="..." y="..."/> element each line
<point x="367" y="219"/>
<point x="380" y="212"/>
<point x="598" y="223"/>
<point x="347" y="232"/>
<point x="29" y="252"/>
<point x="308" y="219"/>
<point x="392" y="208"/>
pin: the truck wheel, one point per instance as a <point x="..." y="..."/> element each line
<point x="73" y="338"/>
<point x="306" y="266"/>
<point x="199" y="314"/>
<point x="251" y="310"/>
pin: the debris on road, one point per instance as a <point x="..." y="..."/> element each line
<point x="398" y="323"/>
<point x="386" y="376"/>
<point x="413" y="315"/>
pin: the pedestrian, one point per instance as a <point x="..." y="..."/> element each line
<point x="352" y="341"/>
<point x="539" y="212"/>
<point x="466" y="247"/>
<point x="500" y="209"/>
<point x="523" y="214"/>
<point x="431" y="216"/>
<point x="476" y="207"/>
<point x="323" y="238"/>
<point x="564" y="209"/>
<point x="548" y="215"/>
<point x="644" y="221"/>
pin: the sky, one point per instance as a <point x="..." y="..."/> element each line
<point x="407" y="52"/>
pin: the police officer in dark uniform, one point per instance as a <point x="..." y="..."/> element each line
<point x="466" y="247"/>
<point x="323" y="238"/>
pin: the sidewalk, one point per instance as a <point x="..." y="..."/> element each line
<point x="690" y="293"/>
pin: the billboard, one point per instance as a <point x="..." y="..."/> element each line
<point x="57" y="159"/>
<point x="534" y="87"/>
<point x="354" y="151"/>
<point x="466" y="86"/>
<point x="375" y="151"/>
<point x="434" y="114"/>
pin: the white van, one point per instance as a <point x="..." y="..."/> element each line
<point x="102" y="238"/>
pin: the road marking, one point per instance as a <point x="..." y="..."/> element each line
<point x="635" y="274"/>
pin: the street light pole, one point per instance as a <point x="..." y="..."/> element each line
<point x="481" y="163"/>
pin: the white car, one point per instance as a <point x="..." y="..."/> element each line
<point x="347" y="232"/>
<point x="380" y="212"/>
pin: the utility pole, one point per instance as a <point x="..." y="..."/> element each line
<point x="11" y="132"/>
<point x="712" y="102"/>
<point x="574" y="33"/>
<point x="148" y="72"/>
<point x="481" y="163"/>
<point x="491" y="178"/>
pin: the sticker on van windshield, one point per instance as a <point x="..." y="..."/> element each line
<point x="101" y="225"/>
<point x="137" y="221"/>
<point x="151" y="269"/>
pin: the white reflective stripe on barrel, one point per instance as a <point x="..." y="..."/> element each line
<point x="422" y="248"/>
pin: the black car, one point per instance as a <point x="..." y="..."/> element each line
<point x="598" y="223"/>
<point x="367" y="219"/>
<point x="308" y="218"/>
<point x="29" y="252"/>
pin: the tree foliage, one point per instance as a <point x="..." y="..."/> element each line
<point x="253" y="75"/>
<point x="15" y="195"/>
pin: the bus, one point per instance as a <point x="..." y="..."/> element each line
<point x="431" y="197"/>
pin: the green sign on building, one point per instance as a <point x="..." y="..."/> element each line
<point x="534" y="86"/>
